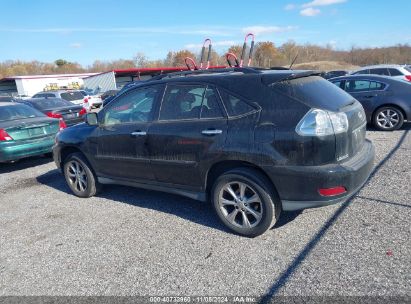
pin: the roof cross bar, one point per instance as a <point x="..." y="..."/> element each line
<point x="245" y="70"/>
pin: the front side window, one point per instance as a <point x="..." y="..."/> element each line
<point x="337" y="83"/>
<point x="135" y="106"/>
<point x="362" y="72"/>
<point x="190" y="102"/>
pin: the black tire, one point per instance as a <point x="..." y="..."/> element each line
<point x="394" y="120"/>
<point x="89" y="186"/>
<point x="268" y="209"/>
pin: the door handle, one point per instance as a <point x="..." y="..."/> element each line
<point x="211" y="132"/>
<point x="139" y="133"/>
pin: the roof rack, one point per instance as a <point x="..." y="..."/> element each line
<point x="243" y="51"/>
<point x="191" y="63"/>
<point x="245" y="70"/>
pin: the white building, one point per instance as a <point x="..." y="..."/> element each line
<point x="96" y="82"/>
<point x="116" y="79"/>
<point x="32" y="84"/>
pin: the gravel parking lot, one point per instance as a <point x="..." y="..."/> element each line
<point x="134" y="242"/>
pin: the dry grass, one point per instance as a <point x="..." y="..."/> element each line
<point x="325" y="66"/>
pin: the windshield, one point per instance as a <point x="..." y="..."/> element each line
<point x="50" y="103"/>
<point x="14" y="112"/>
<point x="408" y="68"/>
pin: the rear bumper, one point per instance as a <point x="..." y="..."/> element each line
<point x="14" y="150"/>
<point x="298" y="186"/>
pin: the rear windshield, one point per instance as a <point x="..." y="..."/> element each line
<point x="315" y="92"/>
<point x="70" y="96"/>
<point x="15" y="112"/>
<point x="50" y="103"/>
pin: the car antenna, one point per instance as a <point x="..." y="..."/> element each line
<point x="294" y="60"/>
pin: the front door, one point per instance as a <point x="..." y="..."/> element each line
<point x="190" y="132"/>
<point x="122" y="138"/>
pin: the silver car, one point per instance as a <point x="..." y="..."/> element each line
<point x="73" y="96"/>
<point x="402" y="72"/>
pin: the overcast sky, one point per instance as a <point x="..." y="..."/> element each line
<point x="87" y="30"/>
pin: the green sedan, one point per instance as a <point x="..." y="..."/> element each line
<point x="25" y="132"/>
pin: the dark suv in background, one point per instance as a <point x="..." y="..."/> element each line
<point x="253" y="142"/>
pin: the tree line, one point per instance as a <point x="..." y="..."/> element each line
<point x="266" y="54"/>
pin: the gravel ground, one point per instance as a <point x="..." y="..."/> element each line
<point x="133" y="242"/>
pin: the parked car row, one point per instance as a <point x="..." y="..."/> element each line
<point x="400" y="72"/>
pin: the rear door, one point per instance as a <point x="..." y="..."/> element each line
<point x="189" y="134"/>
<point x="367" y="92"/>
<point x="122" y="136"/>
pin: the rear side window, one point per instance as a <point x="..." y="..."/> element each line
<point x="382" y="71"/>
<point x="395" y="72"/>
<point x="70" y="96"/>
<point x="234" y="105"/>
<point x="190" y="102"/>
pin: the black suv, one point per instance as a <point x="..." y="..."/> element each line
<point x="253" y="142"/>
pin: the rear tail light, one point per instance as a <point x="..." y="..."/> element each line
<point x="321" y="123"/>
<point x="82" y="112"/>
<point x="332" y="191"/>
<point x="85" y="100"/>
<point x="62" y="124"/>
<point x="4" y="136"/>
<point x="408" y="77"/>
<point x="54" y="115"/>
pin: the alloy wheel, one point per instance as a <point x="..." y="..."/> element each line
<point x="240" y="204"/>
<point x="77" y="176"/>
<point x="388" y="118"/>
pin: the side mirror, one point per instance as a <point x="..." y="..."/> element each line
<point x="92" y="119"/>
